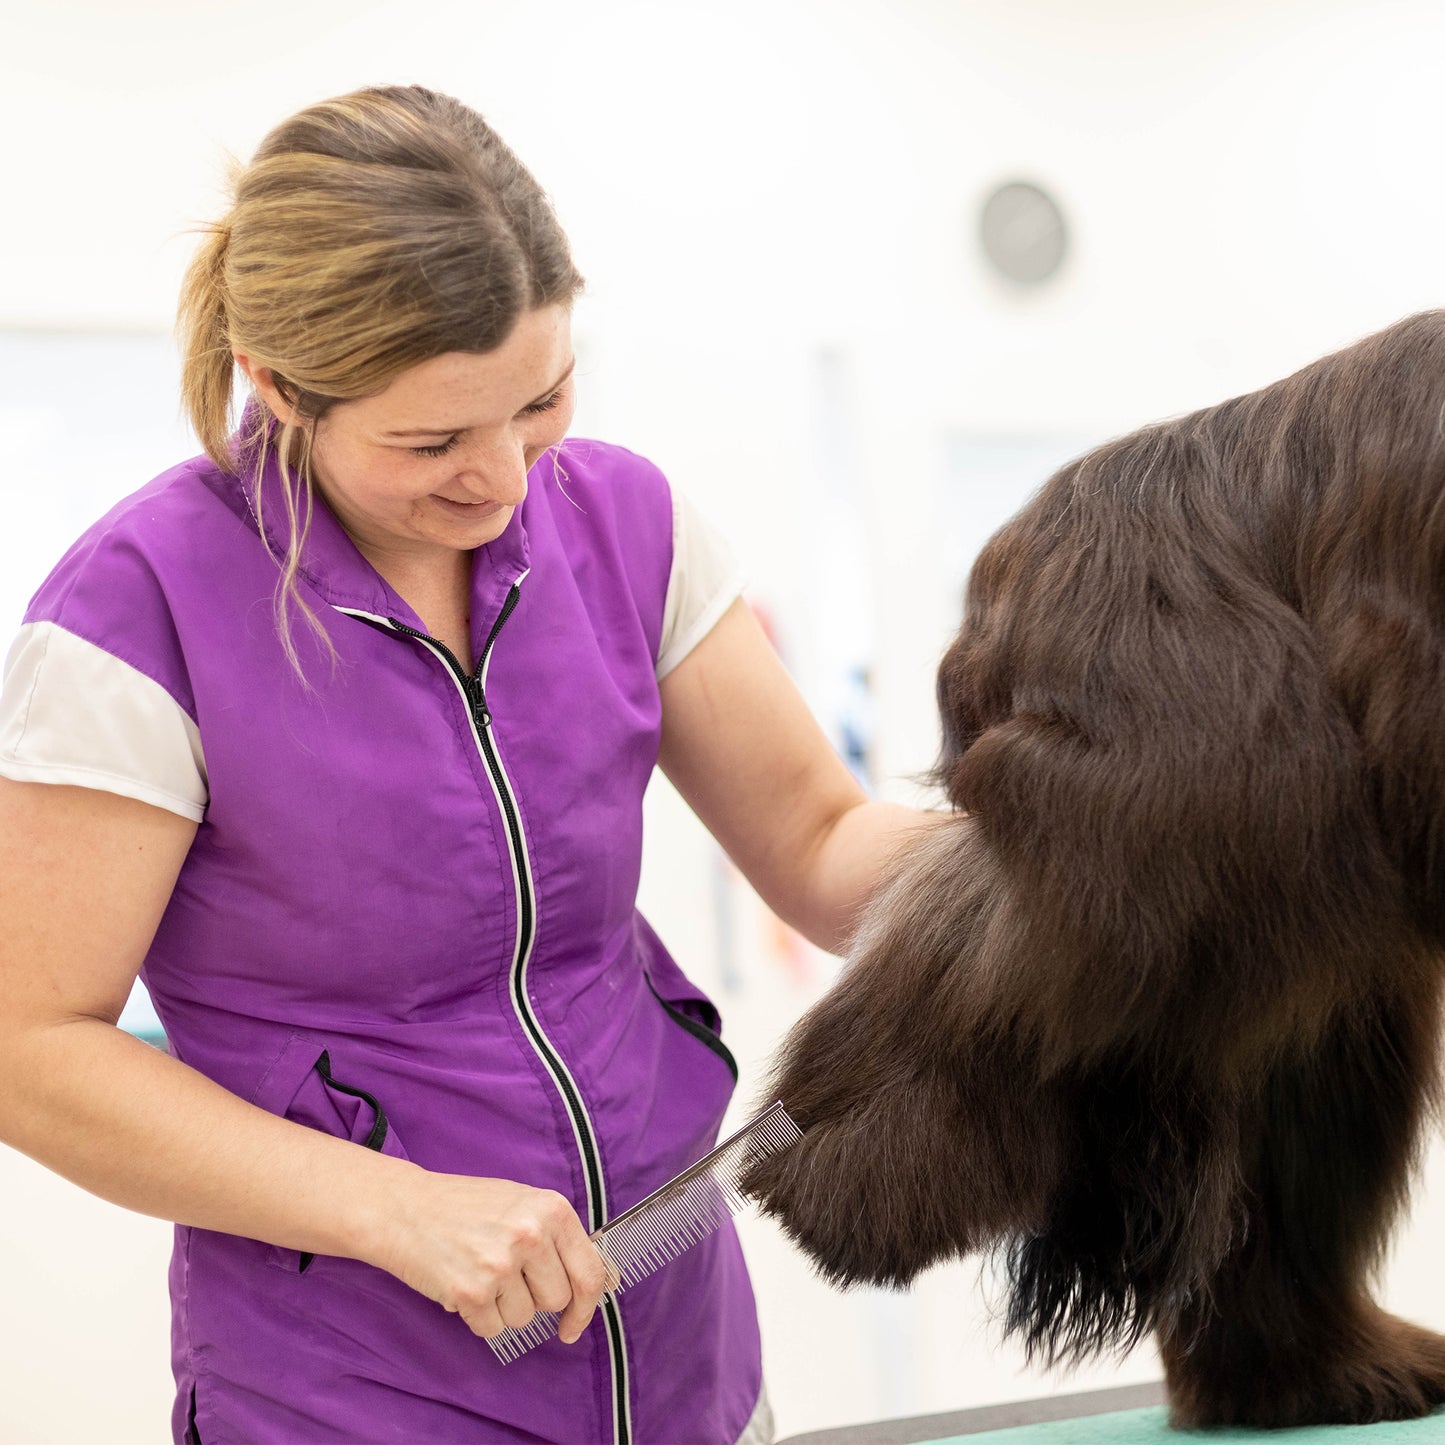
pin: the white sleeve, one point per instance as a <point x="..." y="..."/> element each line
<point x="706" y="579"/>
<point x="70" y="712"/>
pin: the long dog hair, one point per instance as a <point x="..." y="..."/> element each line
<point x="1154" y="1012"/>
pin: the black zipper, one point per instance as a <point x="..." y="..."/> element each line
<point x="472" y="689"/>
<point x="481" y="715"/>
<point x="471" y="682"/>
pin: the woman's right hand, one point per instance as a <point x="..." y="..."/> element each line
<point x="493" y="1251"/>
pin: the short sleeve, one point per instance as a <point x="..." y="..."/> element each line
<point x="705" y="580"/>
<point x="70" y="712"/>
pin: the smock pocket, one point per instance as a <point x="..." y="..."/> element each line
<point x="698" y="1017"/>
<point x="193" y="1431"/>
<point x="301" y="1085"/>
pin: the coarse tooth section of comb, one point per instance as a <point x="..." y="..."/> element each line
<point x="514" y="1342"/>
<point x="670" y="1220"/>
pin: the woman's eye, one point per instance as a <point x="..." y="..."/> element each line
<point x="438" y="450"/>
<point x="546" y="404"/>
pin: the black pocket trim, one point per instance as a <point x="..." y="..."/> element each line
<point x="700" y="1032"/>
<point x="377" y="1135"/>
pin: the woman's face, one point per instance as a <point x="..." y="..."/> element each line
<point x="438" y="461"/>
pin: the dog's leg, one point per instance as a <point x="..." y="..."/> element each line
<point x="1146" y="1210"/>
<point x="1288" y="1334"/>
<point x="929" y="1133"/>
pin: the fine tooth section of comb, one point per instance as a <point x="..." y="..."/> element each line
<point x="672" y="1223"/>
<point x="670" y="1220"/>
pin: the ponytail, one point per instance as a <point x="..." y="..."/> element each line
<point x="204" y="334"/>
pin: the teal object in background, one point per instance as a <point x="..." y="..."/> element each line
<point x="139" y="1017"/>
<point x="1151" y="1427"/>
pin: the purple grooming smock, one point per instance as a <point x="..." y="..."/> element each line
<point x="409" y="919"/>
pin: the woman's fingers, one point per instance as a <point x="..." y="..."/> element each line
<point x="570" y="1277"/>
<point x="547" y="1280"/>
<point x="517" y="1304"/>
<point x="496" y="1252"/>
<point x="588" y="1277"/>
<point x="484" y="1320"/>
<point x="543" y="1285"/>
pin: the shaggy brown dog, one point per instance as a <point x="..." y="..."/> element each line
<point x="1158" y="1017"/>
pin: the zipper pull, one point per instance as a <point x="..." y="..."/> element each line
<point x="477" y="698"/>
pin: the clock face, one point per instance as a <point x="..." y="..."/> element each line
<point x="1023" y="233"/>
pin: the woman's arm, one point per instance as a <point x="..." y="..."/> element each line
<point x="84" y="880"/>
<point x="740" y="745"/>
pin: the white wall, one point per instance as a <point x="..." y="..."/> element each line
<point x="751" y="188"/>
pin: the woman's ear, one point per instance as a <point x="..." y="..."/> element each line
<point x="264" y="381"/>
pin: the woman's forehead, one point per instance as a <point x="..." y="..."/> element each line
<point x="462" y="389"/>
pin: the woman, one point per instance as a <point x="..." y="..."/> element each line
<point x="369" y="829"/>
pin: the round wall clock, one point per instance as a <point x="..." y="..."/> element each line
<point x="1023" y="233"/>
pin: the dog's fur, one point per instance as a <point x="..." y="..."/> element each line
<point x="1155" y="1012"/>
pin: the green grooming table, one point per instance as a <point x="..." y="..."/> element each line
<point x="1133" y="1415"/>
<point x="1151" y="1427"/>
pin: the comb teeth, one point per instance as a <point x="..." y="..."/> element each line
<point x="512" y="1343"/>
<point x="675" y="1222"/>
<point x="670" y="1220"/>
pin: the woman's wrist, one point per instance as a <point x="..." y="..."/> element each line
<point x="380" y="1206"/>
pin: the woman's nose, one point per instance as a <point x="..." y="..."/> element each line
<point x="498" y="473"/>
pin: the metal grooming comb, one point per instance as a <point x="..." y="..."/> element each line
<point x="671" y="1219"/>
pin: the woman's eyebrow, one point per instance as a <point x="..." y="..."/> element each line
<point x="442" y="431"/>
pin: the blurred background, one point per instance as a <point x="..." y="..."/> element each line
<point x="861" y="274"/>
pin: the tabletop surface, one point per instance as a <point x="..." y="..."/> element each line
<point x="919" y="1428"/>
<point x="1131" y="1415"/>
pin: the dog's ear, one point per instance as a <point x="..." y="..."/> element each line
<point x="929" y="1132"/>
<point x="1148" y="732"/>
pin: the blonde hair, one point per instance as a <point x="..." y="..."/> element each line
<point x="369" y="233"/>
